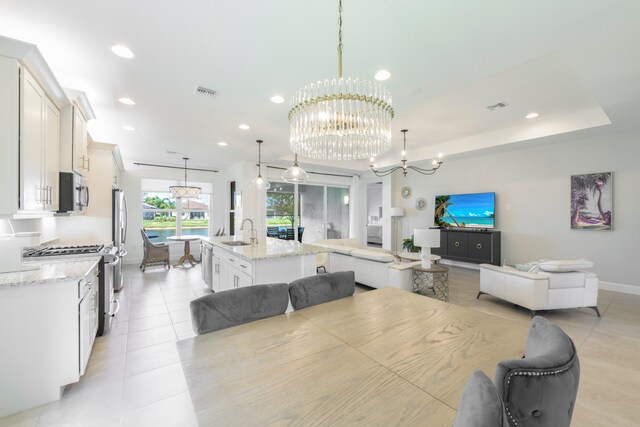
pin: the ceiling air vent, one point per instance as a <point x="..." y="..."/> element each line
<point x="496" y="106"/>
<point x="205" y="91"/>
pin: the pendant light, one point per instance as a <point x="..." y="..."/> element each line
<point x="341" y="119"/>
<point x="185" y="191"/>
<point x="259" y="182"/>
<point x="295" y="174"/>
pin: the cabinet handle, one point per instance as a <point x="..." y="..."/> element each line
<point x="456" y="244"/>
<point x="50" y="195"/>
<point x="243" y="266"/>
<point x="88" y="164"/>
<point x="479" y="246"/>
<point x="230" y="259"/>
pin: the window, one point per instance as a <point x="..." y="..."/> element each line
<point x="280" y="205"/>
<point x="163" y="216"/>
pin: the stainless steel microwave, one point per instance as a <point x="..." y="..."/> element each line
<point x="74" y="193"/>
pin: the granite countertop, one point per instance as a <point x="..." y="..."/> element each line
<point x="45" y="272"/>
<point x="267" y="247"/>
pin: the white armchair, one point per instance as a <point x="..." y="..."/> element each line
<point x="543" y="290"/>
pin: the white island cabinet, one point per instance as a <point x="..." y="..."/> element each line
<point x="48" y="324"/>
<point x="269" y="261"/>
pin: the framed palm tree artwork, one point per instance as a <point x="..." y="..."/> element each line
<point x="592" y="201"/>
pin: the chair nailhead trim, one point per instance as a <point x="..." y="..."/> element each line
<point x="530" y="374"/>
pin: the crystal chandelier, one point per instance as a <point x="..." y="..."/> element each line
<point x="404" y="166"/>
<point x="341" y="119"/>
<point x="185" y="191"/>
<point x="259" y="182"/>
<point x="295" y="174"/>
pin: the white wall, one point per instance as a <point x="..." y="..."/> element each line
<point x="532" y="200"/>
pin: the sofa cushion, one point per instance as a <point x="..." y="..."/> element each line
<point x="566" y="265"/>
<point x="373" y="255"/>
<point x="573" y="279"/>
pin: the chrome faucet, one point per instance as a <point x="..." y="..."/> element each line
<point x="253" y="239"/>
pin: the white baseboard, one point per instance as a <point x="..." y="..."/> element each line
<point x="619" y="287"/>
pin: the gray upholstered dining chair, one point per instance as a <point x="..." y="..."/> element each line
<point x="540" y="389"/>
<point x="480" y="404"/>
<point x="321" y="288"/>
<point x="237" y="306"/>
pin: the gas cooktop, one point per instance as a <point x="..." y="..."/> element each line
<point x="62" y="250"/>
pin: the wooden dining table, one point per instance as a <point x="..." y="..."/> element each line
<point x="384" y="357"/>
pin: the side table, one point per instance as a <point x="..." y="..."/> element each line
<point x="187" y="239"/>
<point x="436" y="278"/>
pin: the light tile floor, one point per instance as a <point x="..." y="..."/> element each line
<point x="134" y="377"/>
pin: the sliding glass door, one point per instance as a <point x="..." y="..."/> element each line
<point x="322" y="212"/>
<point x="337" y="213"/>
<point x="311" y="212"/>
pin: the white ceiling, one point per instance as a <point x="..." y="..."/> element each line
<point x="575" y="62"/>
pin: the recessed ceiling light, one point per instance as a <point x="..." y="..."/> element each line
<point x="122" y="51"/>
<point x="532" y="115"/>
<point x="277" y="99"/>
<point x="128" y="127"/>
<point x="222" y="144"/>
<point x="382" y="75"/>
<point x="127" y="101"/>
<point x="243" y="126"/>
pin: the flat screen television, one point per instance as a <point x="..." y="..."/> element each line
<point x="475" y="210"/>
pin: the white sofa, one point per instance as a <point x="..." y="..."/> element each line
<point x="373" y="267"/>
<point x="543" y="290"/>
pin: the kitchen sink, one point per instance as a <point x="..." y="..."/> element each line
<point x="235" y="243"/>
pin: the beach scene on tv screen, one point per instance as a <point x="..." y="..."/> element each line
<point x="465" y="210"/>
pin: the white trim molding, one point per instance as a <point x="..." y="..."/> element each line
<point x="619" y="287"/>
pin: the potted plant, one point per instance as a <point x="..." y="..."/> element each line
<point x="407" y="244"/>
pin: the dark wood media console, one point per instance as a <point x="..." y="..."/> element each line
<point x="469" y="246"/>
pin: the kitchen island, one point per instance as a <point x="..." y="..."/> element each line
<point x="232" y="262"/>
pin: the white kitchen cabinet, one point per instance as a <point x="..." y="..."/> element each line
<point x="51" y="165"/>
<point x="225" y="275"/>
<point x="243" y="279"/>
<point x="215" y="279"/>
<point x="39" y="145"/>
<point x="47" y="331"/>
<point x="233" y="271"/>
<point x="88" y="311"/>
<point x="74" y="141"/>
<point x="29" y="132"/>
<point x="32" y="106"/>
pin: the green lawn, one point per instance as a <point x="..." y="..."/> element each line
<point x="279" y="221"/>
<point x="187" y="223"/>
